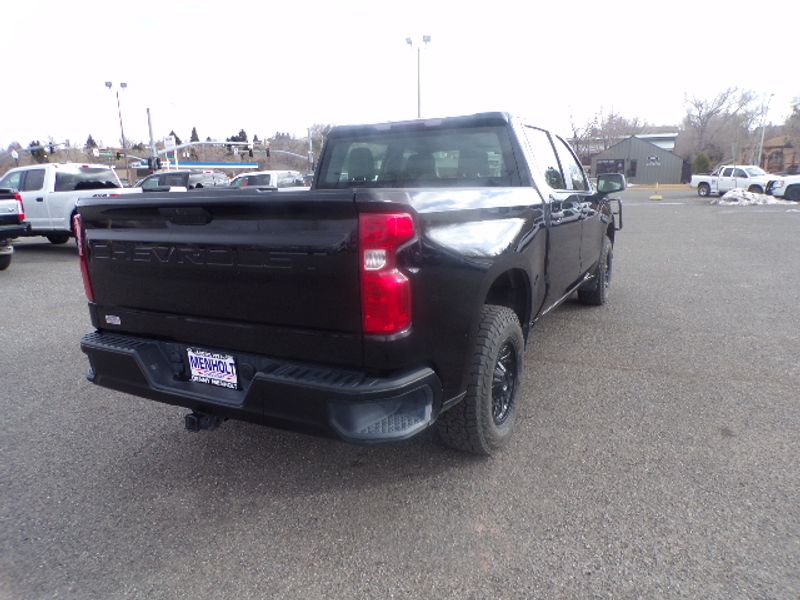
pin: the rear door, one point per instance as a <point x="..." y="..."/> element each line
<point x="726" y="181"/>
<point x="565" y="214"/>
<point x="592" y="228"/>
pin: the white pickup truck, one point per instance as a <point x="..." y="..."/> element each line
<point x="730" y="177"/>
<point x="786" y="187"/>
<point x="51" y="191"/>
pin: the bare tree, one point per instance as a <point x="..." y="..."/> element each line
<point x="601" y="132"/>
<point x="720" y="124"/>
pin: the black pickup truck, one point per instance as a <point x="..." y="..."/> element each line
<point x="399" y="292"/>
<point x="12" y="224"/>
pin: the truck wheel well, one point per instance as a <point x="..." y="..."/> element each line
<point x="512" y="289"/>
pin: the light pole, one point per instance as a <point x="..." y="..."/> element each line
<point x="122" y="85"/>
<point x="763" y="128"/>
<point x="425" y="40"/>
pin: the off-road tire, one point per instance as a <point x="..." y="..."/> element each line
<point x="5" y="261"/>
<point x="703" y="190"/>
<point x="755" y="189"/>
<point x="475" y="424"/>
<point x="58" y="238"/>
<point x="595" y="291"/>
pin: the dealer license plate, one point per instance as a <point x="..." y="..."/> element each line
<point x="213" y="368"/>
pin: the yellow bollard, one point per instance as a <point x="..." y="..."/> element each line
<point x="656" y="196"/>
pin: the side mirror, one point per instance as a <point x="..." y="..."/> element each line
<point x="608" y="183"/>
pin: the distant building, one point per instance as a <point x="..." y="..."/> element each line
<point x="779" y="156"/>
<point x="643" y="161"/>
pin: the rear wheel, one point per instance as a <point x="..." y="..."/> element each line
<point x="703" y="190"/>
<point x="756" y="189"/>
<point x="595" y="291"/>
<point x="58" y="238"/>
<point x="483" y="421"/>
<point x="5" y="261"/>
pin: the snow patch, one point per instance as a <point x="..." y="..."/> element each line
<point x="741" y="197"/>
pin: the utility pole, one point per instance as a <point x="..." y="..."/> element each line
<point x="122" y="85"/>
<point x="153" y="154"/>
<point x="764" y="109"/>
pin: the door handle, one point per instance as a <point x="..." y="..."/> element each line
<point x="40" y="199"/>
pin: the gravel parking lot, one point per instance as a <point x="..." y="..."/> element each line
<point x="657" y="454"/>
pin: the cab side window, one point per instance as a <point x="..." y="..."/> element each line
<point x="573" y="173"/>
<point x="727" y="172"/>
<point x="545" y="157"/>
<point x="34" y="180"/>
<point x="739" y="173"/>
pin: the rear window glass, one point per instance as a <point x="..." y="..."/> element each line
<point x="88" y="178"/>
<point x="165" y="179"/>
<point x="463" y="157"/>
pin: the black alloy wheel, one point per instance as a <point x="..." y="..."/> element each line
<point x="504" y="384"/>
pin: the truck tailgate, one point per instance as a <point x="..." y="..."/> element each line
<point x="247" y="270"/>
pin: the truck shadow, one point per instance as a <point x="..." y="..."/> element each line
<point x="36" y="249"/>
<point x="255" y="460"/>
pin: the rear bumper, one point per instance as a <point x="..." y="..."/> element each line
<point x="12" y="231"/>
<point x="349" y="405"/>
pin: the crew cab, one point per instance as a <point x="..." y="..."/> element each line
<point x="730" y="177"/>
<point x="51" y="191"/>
<point x="12" y="224"/>
<point x="396" y="294"/>
<point x="786" y="187"/>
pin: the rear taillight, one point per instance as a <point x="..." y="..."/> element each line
<point x="83" y="251"/>
<point x="20" y="208"/>
<point x="385" y="291"/>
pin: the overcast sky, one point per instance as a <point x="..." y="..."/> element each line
<point x="268" y="66"/>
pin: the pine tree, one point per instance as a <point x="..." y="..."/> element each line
<point x="90" y="143"/>
<point x="194" y="137"/>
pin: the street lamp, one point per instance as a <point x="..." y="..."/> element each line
<point x="425" y="40"/>
<point x="122" y="85"/>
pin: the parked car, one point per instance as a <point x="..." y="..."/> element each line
<point x="730" y="177"/>
<point x="182" y="180"/>
<point x="51" y="191"/>
<point x="398" y="293"/>
<point x="12" y="224"/>
<point x="787" y="187"/>
<point x="269" y="179"/>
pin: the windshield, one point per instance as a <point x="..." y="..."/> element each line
<point x="86" y="178"/>
<point x="755" y="171"/>
<point x="463" y="157"/>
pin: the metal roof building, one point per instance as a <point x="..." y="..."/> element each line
<point x="641" y="161"/>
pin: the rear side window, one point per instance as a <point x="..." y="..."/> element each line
<point x="573" y="173"/>
<point x="87" y="178"/>
<point x="545" y="157"/>
<point x="34" y="180"/>
<point x="467" y="156"/>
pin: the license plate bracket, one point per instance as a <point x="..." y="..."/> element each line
<point x="213" y="368"/>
